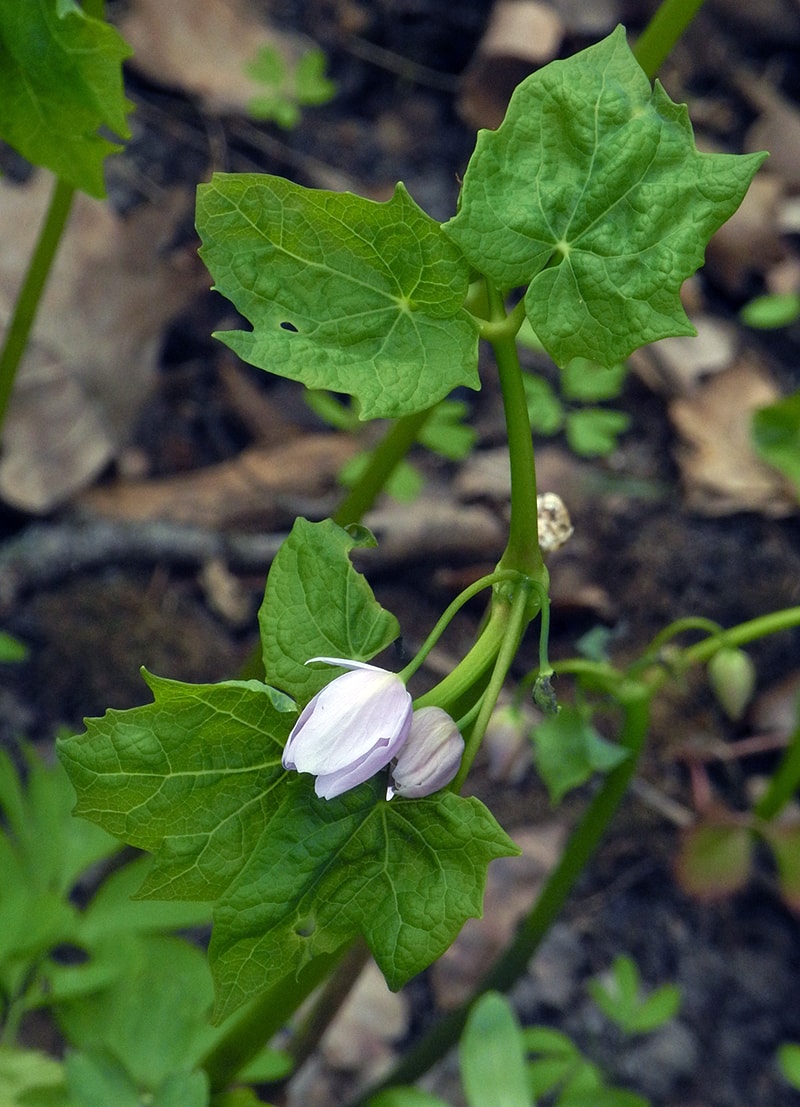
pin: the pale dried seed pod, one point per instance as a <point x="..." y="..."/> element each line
<point x="555" y="525"/>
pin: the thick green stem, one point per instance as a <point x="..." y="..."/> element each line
<point x="248" y="1033"/>
<point x="582" y="844"/>
<point x="30" y="293"/>
<point x="522" y="551"/>
<point x="383" y="461"/>
<point x="658" y="39"/>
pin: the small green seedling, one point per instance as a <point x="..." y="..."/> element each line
<point x="789" y="1062"/>
<point x="289" y="87"/>
<point x="620" y="998"/>
<point x="776" y="437"/>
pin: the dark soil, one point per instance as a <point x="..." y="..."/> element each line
<point x="90" y="626"/>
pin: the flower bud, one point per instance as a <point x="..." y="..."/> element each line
<point x="430" y="757"/>
<point x="732" y="676"/>
<point x="351" y="729"/>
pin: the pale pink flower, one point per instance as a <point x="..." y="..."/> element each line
<point x="430" y="757"/>
<point x="351" y="729"/>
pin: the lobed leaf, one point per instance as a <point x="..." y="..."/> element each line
<point x="189" y="776"/>
<point x="316" y="604"/>
<point x="593" y="194"/>
<point x="60" y="85"/>
<point x="343" y="293"/>
<point x="406" y="874"/>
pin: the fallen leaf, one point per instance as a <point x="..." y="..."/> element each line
<point x="93" y="353"/>
<point x="261" y="488"/>
<point x="203" y="48"/>
<point x="521" y="36"/>
<point x="721" y="472"/>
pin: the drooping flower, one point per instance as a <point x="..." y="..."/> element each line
<point x="430" y="757"/>
<point x="351" y="729"/>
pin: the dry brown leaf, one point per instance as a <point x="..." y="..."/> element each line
<point x="521" y="35"/>
<point x="674" y="366"/>
<point x="93" y="354"/>
<point x="721" y="472"/>
<point x="750" y="241"/>
<point x="261" y="488"/>
<point x="776" y="129"/>
<point x="203" y="47"/>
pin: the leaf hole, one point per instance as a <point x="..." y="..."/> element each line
<point x="305" y="928"/>
<point x="287" y="326"/>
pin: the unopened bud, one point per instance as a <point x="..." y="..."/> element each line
<point x="430" y="757"/>
<point x="732" y="676"/>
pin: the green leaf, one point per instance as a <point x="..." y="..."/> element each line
<point x="153" y="1019"/>
<point x="112" y="910"/>
<point x="593" y="194"/>
<point x="492" y="1056"/>
<point x="593" y="431"/>
<point x="405" y="1097"/>
<point x="189" y="777"/>
<point x="569" y="750"/>
<point x="545" y="410"/>
<point x="95" y="1080"/>
<point x="776" y="436"/>
<point x="317" y="605"/>
<point x="404" y="484"/>
<point x="343" y="293"/>
<point x="29" y="1078"/>
<point x="557" y="1063"/>
<point x="60" y="87"/>
<point x="714" y="859"/>
<point x="589" y="382"/>
<point x="783" y="839"/>
<point x="446" y="434"/>
<point x="11" y="649"/>
<point x="289" y="87"/>
<point x="620" y="998"/>
<point x="789" y="1062"/>
<point x="406" y="874"/>
<point x="769" y="312"/>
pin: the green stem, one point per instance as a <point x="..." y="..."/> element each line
<point x="383" y="461"/>
<point x="783" y="783"/>
<point x="658" y="39"/>
<point x="582" y="844"/>
<point x="30" y="294"/>
<point x="473" y="665"/>
<point x="761" y="627"/>
<point x="522" y="552"/>
<point x="248" y="1033"/>
<point x="443" y="621"/>
<point x="518" y="619"/>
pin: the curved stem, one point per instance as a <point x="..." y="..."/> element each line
<point x="473" y="665"/>
<point x="658" y="39"/>
<point x="443" y="621"/>
<point x="760" y="627"/>
<point x="515" y="628"/>
<point x="30" y="294"/>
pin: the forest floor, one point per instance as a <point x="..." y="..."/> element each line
<point x="146" y="539"/>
